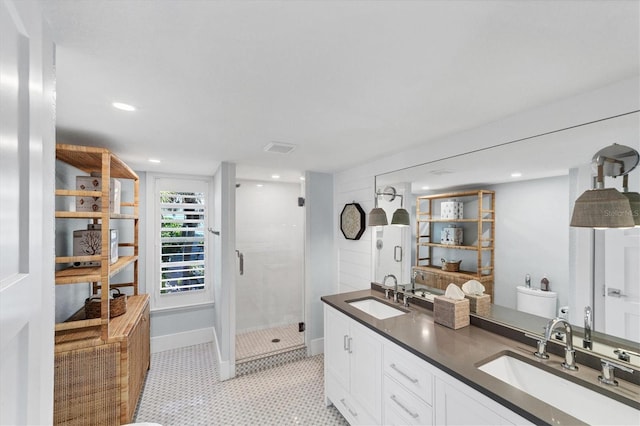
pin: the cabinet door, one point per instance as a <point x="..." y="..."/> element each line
<point x="366" y="369"/>
<point x="455" y="407"/>
<point x="138" y="361"/>
<point x="336" y="343"/>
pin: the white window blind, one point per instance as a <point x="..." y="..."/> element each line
<point x="182" y="240"/>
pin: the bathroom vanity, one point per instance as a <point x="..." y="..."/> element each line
<point x="389" y="364"/>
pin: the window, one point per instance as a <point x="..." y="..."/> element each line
<point x="182" y="241"/>
<point x="179" y="257"/>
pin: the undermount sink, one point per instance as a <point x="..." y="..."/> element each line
<point x="578" y="401"/>
<point x="376" y="308"/>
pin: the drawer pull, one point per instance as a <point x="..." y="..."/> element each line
<point x="344" y="342"/>
<point x="403" y="374"/>
<point x="409" y="412"/>
<point x="350" y="349"/>
<point x="353" y="413"/>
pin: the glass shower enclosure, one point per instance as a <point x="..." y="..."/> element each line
<point x="270" y="274"/>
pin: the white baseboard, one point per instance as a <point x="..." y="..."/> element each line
<point x="316" y="347"/>
<point x="226" y="369"/>
<point x="180" y="340"/>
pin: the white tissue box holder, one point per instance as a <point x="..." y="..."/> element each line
<point x="451" y="313"/>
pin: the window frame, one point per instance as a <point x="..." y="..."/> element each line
<point x="179" y="183"/>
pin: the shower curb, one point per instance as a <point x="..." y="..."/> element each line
<point x="263" y="363"/>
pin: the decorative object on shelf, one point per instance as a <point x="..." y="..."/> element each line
<point x="94" y="204"/>
<point x="451" y="235"/>
<point x="451" y="210"/>
<point x="89" y="243"/>
<point x="607" y="207"/>
<point x="117" y="305"/>
<point x="451" y="265"/>
<point x="378" y="217"/>
<point x="352" y="221"/>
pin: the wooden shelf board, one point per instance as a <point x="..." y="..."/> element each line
<point x="474" y="193"/>
<point x="447" y="246"/>
<point x="459" y="274"/>
<point x="455" y="220"/>
<point x="78" y="215"/>
<point x="78" y="193"/>
<point x="89" y="275"/>
<point x="89" y="160"/>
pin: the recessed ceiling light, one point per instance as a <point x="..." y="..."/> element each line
<point x="123" y="106"/>
<point x="275" y="176"/>
<point x="301" y="177"/>
<point x="153" y="160"/>
<point x="516" y="174"/>
<point x="259" y="185"/>
<point x="425" y="187"/>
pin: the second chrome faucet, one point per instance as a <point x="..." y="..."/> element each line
<point x="569" y="353"/>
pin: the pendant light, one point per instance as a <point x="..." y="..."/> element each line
<point x="378" y="217"/>
<point x="602" y="208"/>
<point x="634" y="200"/>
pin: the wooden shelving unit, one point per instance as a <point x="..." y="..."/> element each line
<point x="479" y="221"/>
<point x="100" y="363"/>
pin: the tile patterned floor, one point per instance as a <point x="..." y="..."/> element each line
<point x="183" y="388"/>
<point x="256" y="344"/>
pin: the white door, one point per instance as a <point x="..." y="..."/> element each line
<point x="622" y="283"/>
<point x="26" y="253"/>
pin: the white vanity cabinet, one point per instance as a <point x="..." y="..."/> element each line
<point x="407" y="395"/>
<point x="373" y="381"/>
<point x="458" y="404"/>
<point x="353" y="368"/>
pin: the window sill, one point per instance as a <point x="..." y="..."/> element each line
<point x="182" y="307"/>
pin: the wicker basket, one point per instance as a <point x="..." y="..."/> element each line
<point x="451" y="266"/>
<point x="117" y="305"/>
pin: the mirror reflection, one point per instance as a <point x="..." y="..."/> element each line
<point x="530" y="245"/>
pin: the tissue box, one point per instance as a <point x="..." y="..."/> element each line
<point x="94" y="204"/>
<point x="451" y="313"/>
<point x="480" y="305"/>
<point x="89" y="243"/>
<point x="451" y="210"/>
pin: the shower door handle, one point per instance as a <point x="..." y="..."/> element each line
<point x="241" y="257"/>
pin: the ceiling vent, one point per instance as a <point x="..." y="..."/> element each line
<point x="441" y="172"/>
<point x="279" y="147"/>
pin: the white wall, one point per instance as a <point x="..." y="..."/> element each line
<point x="536" y="250"/>
<point x="270" y="235"/>
<point x="225" y="267"/>
<point x="356" y="184"/>
<point x="320" y="278"/>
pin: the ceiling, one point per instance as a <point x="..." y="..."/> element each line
<point x="346" y="82"/>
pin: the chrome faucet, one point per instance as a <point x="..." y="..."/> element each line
<point x="395" y="285"/>
<point x="586" y="341"/>
<point x="414" y="274"/>
<point x="569" y="353"/>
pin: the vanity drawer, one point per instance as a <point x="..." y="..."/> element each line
<point x="403" y="407"/>
<point x="350" y="409"/>
<point x="410" y="371"/>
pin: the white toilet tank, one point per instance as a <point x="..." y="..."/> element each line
<point x="536" y="302"/>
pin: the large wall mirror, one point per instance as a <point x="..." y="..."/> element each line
<point x="536" y="181"/>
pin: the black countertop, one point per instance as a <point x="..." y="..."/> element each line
<point x="459" y="352"/>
